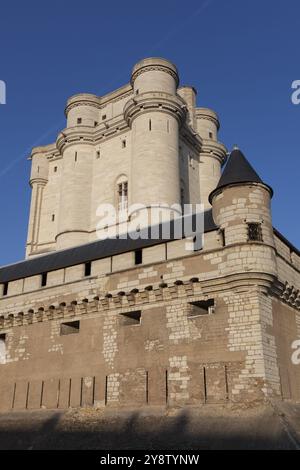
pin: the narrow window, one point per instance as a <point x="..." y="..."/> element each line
<point x="2" y="348"/>
<point x="5" y="288"/>
<point x="123" y="144"/>
<point x="53" y="217"/>
<point x="38" y="169"/>
<point x="98" y="154"/>
<point x="222" y="235"/>
<point x="95" y="123"/>
<point x="55" y="169"/>
<point x="182" y="196"/>
<point x="103" y="117"/>
<point x="138" y="257"/>
<point x="69" y="328"/>
<point x="150" y="125"/>
<point x="255" y="232"/>
<point x="87" y="269"/>
<point x="44" y="279"/>
<point x="131" y="318"/>
<point x="75" y="156"/>
<point x="202" y="307"/>
<point x="137" y="91"/>
<point x="79" y="120"/>
<point x="210" y="135"/>
<point x="122" y="196"/>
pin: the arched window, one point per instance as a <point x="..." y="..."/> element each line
<point x="122" y="194"/>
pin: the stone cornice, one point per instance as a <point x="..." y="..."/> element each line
<point x="82" y="99"/>
<point x="155" y="101"/>
<point x="289" y="295"/>
<point x="40" y="181"/>
<point x="215" y="149"/>
<point x="89" y="135"/>
<point x="208" y="114"/>
<point x="147" y="297"/>
<point x="164" y="66"/>
<point x="71" y="136"/>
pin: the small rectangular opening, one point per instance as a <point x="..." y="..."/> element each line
<point x="5" y="288"/>
<point x="201" y="307"/>
<point x="69" y="328"/>
<point x="87" y="269"/>
<point x="98" y="154"/>
<point x="75" y="156"/>
<point x="123" y="144"/>
<point x="44" y="279"/>
<point x="2" y="348"/>
<point x="95" y="123"/>
<point x="210" y="135"/>
<point x="131" y="318"/>
<point x="53" y="217"/>
<point x="103" y="117"/>
<point x="138" y="257"/>
<point x="79" y="120"/>
<point x="150" y="125"/>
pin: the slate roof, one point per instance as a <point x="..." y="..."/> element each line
<point x="88" y="252"/>
<point x="238" y="171"/>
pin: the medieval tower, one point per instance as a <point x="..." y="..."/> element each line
<point x="111" y="322"/>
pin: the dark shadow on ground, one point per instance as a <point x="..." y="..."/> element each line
<point x="186" y="429"/>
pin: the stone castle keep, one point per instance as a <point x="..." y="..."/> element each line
<point x="88" y="322"/>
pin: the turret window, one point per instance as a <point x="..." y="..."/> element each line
<point x="255" y="232"/>
<point x="53" y="217"/>
<point x="79" y="120"/>
<point x="55" y="169"/>
<point x="123" y="144"/>
<point x="150" y="125"/>
<point x="210" y="135"/>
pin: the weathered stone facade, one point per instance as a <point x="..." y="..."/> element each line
<point x="214" y="325"/>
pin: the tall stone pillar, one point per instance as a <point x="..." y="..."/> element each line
<point x="38" y="181"/>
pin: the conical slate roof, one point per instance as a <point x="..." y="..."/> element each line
<point x="238" y="171"/>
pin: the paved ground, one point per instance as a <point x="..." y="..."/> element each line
<point x="274" y="426"/>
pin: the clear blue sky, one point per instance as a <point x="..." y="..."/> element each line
<point x="242" y="57"/>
